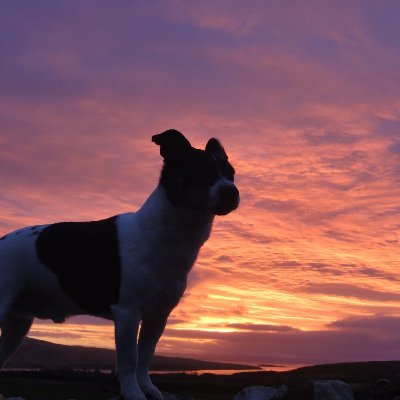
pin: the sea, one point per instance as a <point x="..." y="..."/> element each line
<point x="262" y="367"/>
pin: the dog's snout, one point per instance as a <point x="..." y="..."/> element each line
<point x="228" y="199"/>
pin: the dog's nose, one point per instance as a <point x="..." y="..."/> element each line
<point x="228" y="199"/>
<point x="229" y="194"/>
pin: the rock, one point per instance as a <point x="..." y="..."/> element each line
<point x="261" y="393"/>
<point x="281" y="392"/>
<point x="382" y="382"/>
<point x="382" y="390"/>
<point x="332" y="390"/>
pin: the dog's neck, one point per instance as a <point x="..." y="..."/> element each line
<point x="186" y="225"/>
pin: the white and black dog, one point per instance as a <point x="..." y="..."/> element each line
<point x="131" y="268"/>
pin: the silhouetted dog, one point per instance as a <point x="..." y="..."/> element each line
<point x="129" y="268"/>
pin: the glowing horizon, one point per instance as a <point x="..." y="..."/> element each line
<point x="305" y="99"/>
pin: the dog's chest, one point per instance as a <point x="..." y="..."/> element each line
<point x="156" y="260"/>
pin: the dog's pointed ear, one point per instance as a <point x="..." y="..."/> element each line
<point x="214" y="147"/>
<point x="171" y="143"/>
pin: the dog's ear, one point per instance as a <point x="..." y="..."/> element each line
<point x="171" y="143"/>
<point x="214" y="146"/>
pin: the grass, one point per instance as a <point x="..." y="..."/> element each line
<point x="56" y="385"/>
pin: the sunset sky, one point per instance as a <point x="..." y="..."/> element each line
<point x="305" y="97"/>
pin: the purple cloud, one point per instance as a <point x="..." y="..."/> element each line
<point x="350" y="290"/>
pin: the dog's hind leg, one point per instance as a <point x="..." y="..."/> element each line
<point x="10" y="286"/>
<point x="14" y="329"/>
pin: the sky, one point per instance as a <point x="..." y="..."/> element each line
<point x="305" y="98"/>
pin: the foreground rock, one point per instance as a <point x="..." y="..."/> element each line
<point x="15" y="398"/>
<point x="332" y="390"/>
<point x="261" y="393"/>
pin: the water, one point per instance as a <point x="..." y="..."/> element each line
<point x="276" y="368"/>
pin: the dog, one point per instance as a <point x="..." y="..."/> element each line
<point x="131" y="268"/>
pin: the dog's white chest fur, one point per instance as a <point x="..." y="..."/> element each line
<point x="158" y="247"/>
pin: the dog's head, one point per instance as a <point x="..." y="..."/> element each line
<point x="194" y="178"/>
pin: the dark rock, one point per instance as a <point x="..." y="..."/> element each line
<point x="382" y="382"/>
<point x="332" y="390"/>
<point x="261" y="393"/>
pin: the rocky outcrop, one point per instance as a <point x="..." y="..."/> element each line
<point x="332" y="390"/>
<point x="261" y="393"/>
<point x="14" y="398"/>
<point x="322" y="390"/>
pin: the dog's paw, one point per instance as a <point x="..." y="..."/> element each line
<point x="131" y="396"/>
<point x="152" y="393"/>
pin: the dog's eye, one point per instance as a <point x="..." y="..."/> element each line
<point x="206" y="176"/>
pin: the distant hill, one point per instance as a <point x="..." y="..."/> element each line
<point x="39" y="354"/>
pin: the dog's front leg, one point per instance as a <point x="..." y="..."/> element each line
<point x="150" y="332"/>
<point x="126" y="329"/>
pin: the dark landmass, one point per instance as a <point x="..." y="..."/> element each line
<point x="269" y="366"/>
<point x="39" y="354"/>
<point x="378" y="380"/>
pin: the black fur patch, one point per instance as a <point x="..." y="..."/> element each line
<point x="85" y="258"/>
<point x="187" y="178"/>
<point x="193" y="170"/>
